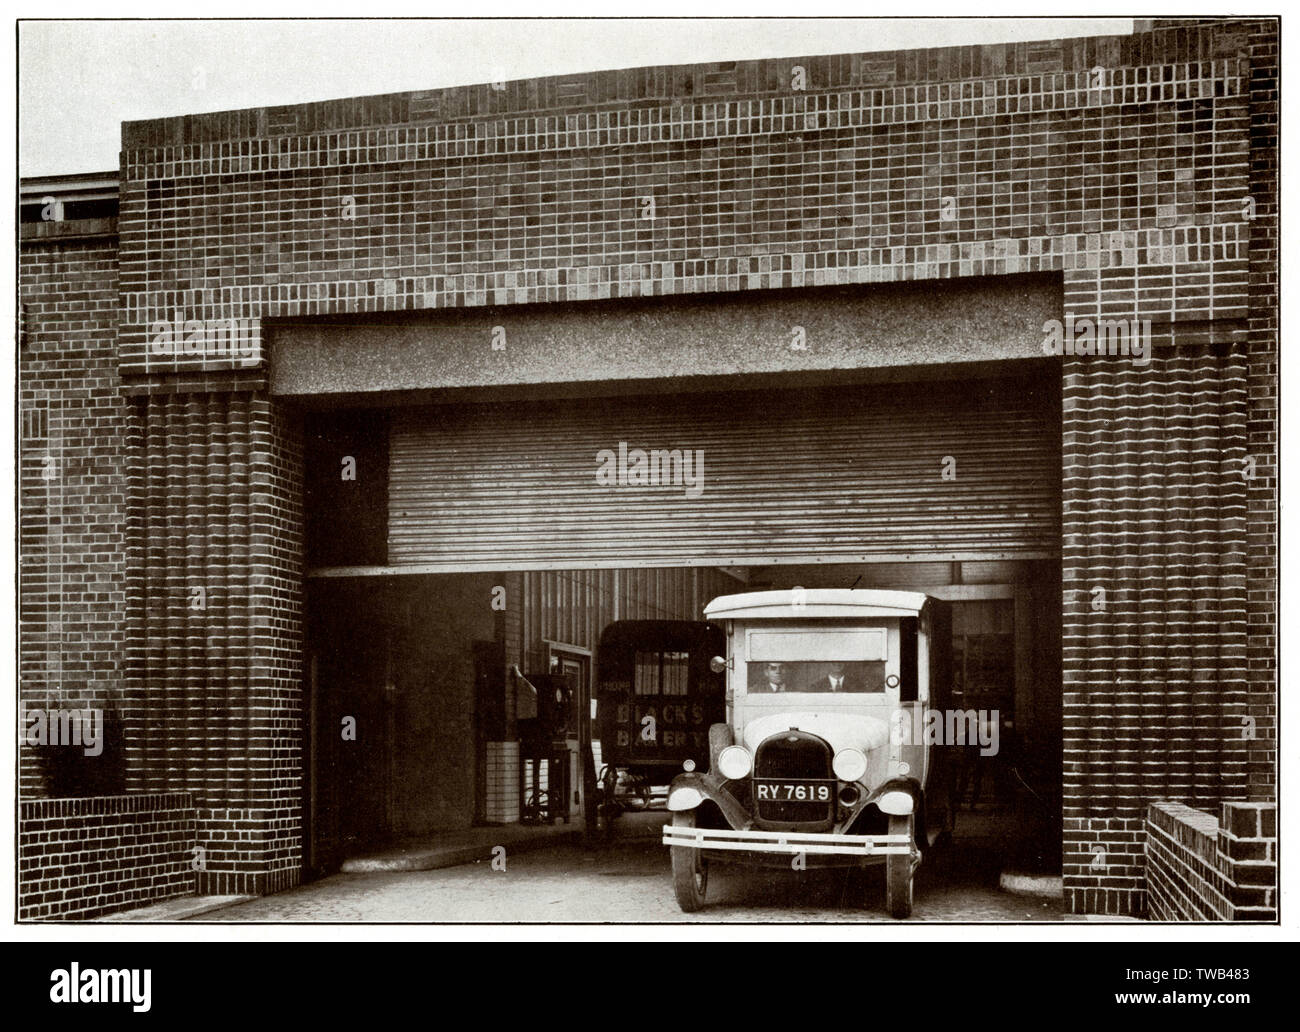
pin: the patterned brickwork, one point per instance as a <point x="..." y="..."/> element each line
<point x="213" y="642"/>
<point x="1154" y="611"/>
<point x="1089" y="170"/>
<point x="79" y="858"/>
<point x="1199" y="868"/>
<point x="637" y="87"/>
<point x="1128" y="174"/>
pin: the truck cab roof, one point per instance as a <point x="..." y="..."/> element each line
<point x="817" y="603"/>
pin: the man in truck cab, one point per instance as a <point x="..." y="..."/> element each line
<point x="840" y="679"/>
<point x="773" y="679"/>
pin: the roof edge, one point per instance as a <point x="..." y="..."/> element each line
<point x="706" y="82"/>
<point x="816" y="602"/>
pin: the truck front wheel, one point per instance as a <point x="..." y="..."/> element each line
<point x="690" y="870"/>
<point x="898" y="869"/>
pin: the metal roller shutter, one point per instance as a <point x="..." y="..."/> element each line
<point x="833" y="475"/>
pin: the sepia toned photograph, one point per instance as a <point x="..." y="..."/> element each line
<point x="640" y="471"/>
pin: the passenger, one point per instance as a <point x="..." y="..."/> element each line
<point x="840" y="679"/>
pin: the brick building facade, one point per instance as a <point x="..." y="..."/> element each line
<point x="1135" y="177"/>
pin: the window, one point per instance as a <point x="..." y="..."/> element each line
<point x="816" y="661"/>
<point x="661" y="673"/>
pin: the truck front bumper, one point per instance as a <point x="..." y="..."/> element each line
<point x="787" y="842"/>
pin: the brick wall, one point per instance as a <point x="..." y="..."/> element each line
<point x="1009" y="158"/>
<point x="72" y="489"/>
<point x="1203" y="868"/>
<point x="1168" y="676"/>
<point x="1122" y="163"/>
<point x="79" y="858"/>
<point x="1262" y="443"/>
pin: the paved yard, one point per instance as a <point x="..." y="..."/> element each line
<point x="631" y="881"/>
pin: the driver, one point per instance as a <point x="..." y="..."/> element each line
<point x="773" y="678"/>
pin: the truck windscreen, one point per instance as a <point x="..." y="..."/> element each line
<point x="805" y="676"/>
<point x="816" y="659"/>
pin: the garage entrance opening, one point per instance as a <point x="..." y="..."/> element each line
<point x="465" y="558"/>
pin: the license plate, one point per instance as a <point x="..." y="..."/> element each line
<point x="792" y="791"/>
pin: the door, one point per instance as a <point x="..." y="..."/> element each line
<point x="904" y="472"/>
<point x="984" y="679"/>
<point x="349" y="743"/>
<point x="574" y="664"/>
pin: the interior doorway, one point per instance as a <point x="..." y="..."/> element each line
<point x="984" y="683"/>
<point x="574" y="663"/>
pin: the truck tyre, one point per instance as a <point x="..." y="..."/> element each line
<point x="690" y="870"/>
<point x="720" y="736"/>
<point x="898" y="870"/>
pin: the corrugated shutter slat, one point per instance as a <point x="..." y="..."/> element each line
<point x="827" y="476"/>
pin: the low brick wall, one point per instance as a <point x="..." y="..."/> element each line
<point x="80" y="858"/>
<point x="1205" y="868"/>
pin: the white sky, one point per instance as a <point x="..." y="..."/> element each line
<point x="79" y="80"/>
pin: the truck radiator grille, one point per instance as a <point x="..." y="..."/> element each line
<point x="800" y="759"/>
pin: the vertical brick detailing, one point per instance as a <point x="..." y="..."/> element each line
<point x="79" y="858"/>
<point x="214" y="625"/>
<point x="1261" y="496"/>
<point x="1154" y="582"/>
<point x="1202" y="869"/>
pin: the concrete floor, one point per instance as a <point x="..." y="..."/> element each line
<point x="630" y="880"/>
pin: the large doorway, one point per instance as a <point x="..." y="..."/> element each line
<point x="946" y="487"/>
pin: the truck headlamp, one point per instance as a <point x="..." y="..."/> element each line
<point x="734" y="762"/>
<point x="850" y="765"/>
